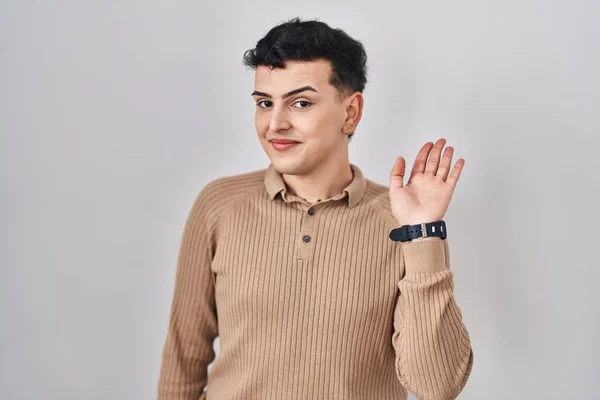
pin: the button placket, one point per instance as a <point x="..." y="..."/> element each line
<point x="306" y="235"/>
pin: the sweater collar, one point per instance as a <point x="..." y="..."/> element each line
<point x="274" y="184"/>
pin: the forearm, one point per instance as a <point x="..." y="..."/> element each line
<point x="193" y="325"/>
<point x="433" y="348"/>
<point x="183" y="373"/>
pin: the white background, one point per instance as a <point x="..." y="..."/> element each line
<point x="114" y="114"/>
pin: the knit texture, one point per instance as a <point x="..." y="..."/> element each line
<point x="310" y="301"/>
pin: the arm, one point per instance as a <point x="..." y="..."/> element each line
<point x="434" y="357"/>
<point x="188" y="349"/>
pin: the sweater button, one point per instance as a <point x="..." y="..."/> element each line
<point x="306" y="238"/>
<point x="311" y="211"/>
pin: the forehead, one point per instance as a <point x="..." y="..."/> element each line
<point x="295" y="74"/>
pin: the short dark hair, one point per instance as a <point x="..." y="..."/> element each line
<point x="297" y="40"/>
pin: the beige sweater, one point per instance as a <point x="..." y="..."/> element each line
<point x="310" y="301"/>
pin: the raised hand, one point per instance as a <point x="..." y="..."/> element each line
<point x="426" y="195"/>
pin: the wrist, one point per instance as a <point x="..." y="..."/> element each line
<point x="419" y="232"/>
<point x="424" y="239"/>
<point x="425" y="256"/>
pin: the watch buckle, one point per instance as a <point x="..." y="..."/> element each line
<point x="423" y="230"/>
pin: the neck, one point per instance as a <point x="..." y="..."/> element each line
<point x="326" y="181"/>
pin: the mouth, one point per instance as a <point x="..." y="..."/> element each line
<point x="283" y="145"/>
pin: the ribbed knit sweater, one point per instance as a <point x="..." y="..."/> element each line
<point x="309" y="300"/>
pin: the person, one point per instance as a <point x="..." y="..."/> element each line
<point x="293" y="266"/>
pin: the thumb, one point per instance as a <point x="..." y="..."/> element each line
<point x="397" y="174"/>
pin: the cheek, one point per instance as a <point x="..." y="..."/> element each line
<point x="261" y="122"/>
<point x="315" y="124"/>
<point x="326" y="124"/>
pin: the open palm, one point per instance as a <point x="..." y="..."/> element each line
<point x="426" y="196"/>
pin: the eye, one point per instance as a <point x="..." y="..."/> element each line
<point x="307" y="103"/>
<point x="258" y="104"/>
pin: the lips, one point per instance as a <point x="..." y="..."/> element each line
<point x="282" y="145"/>
<point x="283" y="141"/>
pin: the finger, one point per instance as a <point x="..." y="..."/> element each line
<point x="397" y="174"/>
<point x="446" y="162"/>
<point x="455" y="174"/>
<point x="420" y="160"/>
<point x="434" y="157"/>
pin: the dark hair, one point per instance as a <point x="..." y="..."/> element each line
<point x="297" y="40"/>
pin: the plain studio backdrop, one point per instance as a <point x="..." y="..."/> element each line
<point x="114" y="115"/>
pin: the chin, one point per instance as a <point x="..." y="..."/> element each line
<point x="288" y="166"/>
<point x="283" y="166"/>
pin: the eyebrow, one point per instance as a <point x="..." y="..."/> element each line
<point x="295" y="91"/>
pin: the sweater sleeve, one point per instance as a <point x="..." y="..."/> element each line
<point x="188" y="348"/>
<point x="433" y="350"/>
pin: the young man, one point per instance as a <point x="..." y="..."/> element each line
<point x="298" y="267"/>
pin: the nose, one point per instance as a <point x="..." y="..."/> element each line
<point x="279" y="120"/>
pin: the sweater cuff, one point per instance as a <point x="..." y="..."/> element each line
<point x="426" y="256"/>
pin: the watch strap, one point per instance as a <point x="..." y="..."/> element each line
<point x="409" y="232"/>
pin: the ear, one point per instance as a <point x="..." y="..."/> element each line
<point x="354" y="107"/>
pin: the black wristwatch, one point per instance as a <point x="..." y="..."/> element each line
<point x="409" y="232"/>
